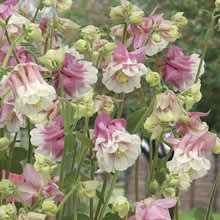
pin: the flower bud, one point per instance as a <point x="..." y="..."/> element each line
<point x="53" y="59"/>
<point x="81" y="45"/>
<point x="104" y="104"/>
<point x="169" y="192"/>
<point x="217" y="4"/>
<point x="180" y="19"/>
<point x="174" y="183"/>
<point x="8" y="212"/>
<point x="117" y="13"/>
<point x="156" y="37"/>
<point x="33" y="32"/>
<point x="90" y="33"/>
<point x="6" y="188"/>
<point x="63" y="5"/>
<point x="49" y="207"/>
<point x="153" y="187"/>
<point x="48" y="3"/>
<point x="121" y="206"/>
<point x="216" y="149"/>
<point x="109" y="47"/>
<point x="136" y="17"/>
<point x="4" y="142"/>
<point x="153" y="78"/>
<point x="65" y="25"/>
<point x="88" y="188"/>
<point x="32" y="216"/>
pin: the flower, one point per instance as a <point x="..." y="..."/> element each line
<point x="49" y="139"/>
<point x="31" y="216"/>
<point x="181" y="70"/>
<point x="189" y="153"/>
<point x="180" y="19"/>
<point x="7" y="9"/>
<point x="4" y="142"/>
<point x="33" y="32"/>
<point x="194" y="125"/>
<point x="123" y="73"/>
<point x="90" y="33"/>
<point x="36" y="183"/>
<point x="7" y="188"/>
<point x="121" y="206"/>
<point x="78" y="76"/>
<point x="32" y="94"/>
<point x="115" y="148"/>
<point x="88" y="188"/>
<point x="151" y="209"/>
<point x="49" y="207"/>
<point x="104" y="103"/>
<point x="8" y="212"/>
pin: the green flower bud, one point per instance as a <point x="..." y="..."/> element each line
<point x="33" y="216"/>
<point x="49" y="207"/>
<point x="4" y="142"/>
<point x="88" y="188"/>
<point x="153" y="187"/>
<point x="48" y="3"/>
<point x="104" y="104"/>
<point x="156" y="37"/>
<point x="109" y="47"/>
<point x="169" y="192"/>
<point x="117" y="13"/>
<point x="217" y="4"/>
<point x="53" y="59"/>
<point x="81" y="45"/>
<point x="153" y="78"/>
<point x="63" y="5"/>
<point x="216" y="149"/>
<point x="174" y="183"/>
<point x="33" y="32"/>
<point x="180" y="19"/>
<point x="90" y="33"/>
<point x="121" y="206"/>
<point x="8" y="212"/>
<point x="136" y="17"/>
<point x="6" y="188"/>
<point x="65" y="25"/>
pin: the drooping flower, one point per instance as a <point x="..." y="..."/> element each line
<point x="123" y="73"/>
<point x="78" y="76"/>
<point x="151" y="209"/>
<point x="36" y="183"/>
<point x="49" y="139"/>
<point x="32" y="94"/>
<point x="121" y="206"/>
<point x="115" y="148"/>
<point x="189" y="153"/>
<point x="7" y="9"/>
<point x="181" y="70"/>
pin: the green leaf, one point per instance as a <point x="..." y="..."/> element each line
<point x="134" y="118"/>
<point x="111" y="216"/>
<point x="200" y="213"/>
<point x="19" y="154"/>
<point x="83" y="217"/>
<point x="100" y="196"/>
<point x="83" y="139"/>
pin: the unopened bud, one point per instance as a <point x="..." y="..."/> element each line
<point x="6" y="188"/>
<point x="136" y="17"/>
<point x="88" y="188"/>
<point x="4" y="142"/>
<point x="49" y="207"/>
<point x="63" y="5"/>
<point x="90" y="33"/>
<point x="121" y="206"/>
<point x="65" y="25"/>
<point x="217" y="4"/>
<point x="109" y="47"/>
<point x="117" y="13"/>
<point x="156" y="37"/>
<point x="180" y="19"/>
<point x="153" y="187"/>
<point x="8" y="212"/>
<point x="169" y="192"/>
<point x="33" y="32"/>
<point x="153" y="78"/>
<point x="48" y="3"/>
<point x="216" y="149"/>
<point x="81" y="45"/>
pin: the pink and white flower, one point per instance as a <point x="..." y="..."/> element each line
<point x="36" y="183"/>
<point x="181" y="70"/>
<point x="7" y="8"/>
<point x="123" y="73"/>
<point x="32" y="94"/>
<point x="78" y="76"/>
<point x="49" y="139"/>
<point x="189" y="153"/>
<point x="115" y="148"/>
<point x="150" y="209"/>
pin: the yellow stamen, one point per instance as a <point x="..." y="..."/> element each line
<point x="121" y="77"/>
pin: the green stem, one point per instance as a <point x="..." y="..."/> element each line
<point x="11" y="150"/>
<point x="51" y="33"/>
<point x="151" y="153"/>
<point x="1" y="132"/>
<point x="16" y="193"/>
<point x="30" y="52"/>
<point x="102" y="194"/>
<point x="30" y="147"/>
<point x="136" y="180"/>
<point x="207" y="36"/>
<point x="92" y="177"/>
<point x="208" y="213"/>
<point x="75" y="207"/>
<point x="124" y="33"/>
<point x="36" y="13"/>
<point x="108" y="195"/>
<point x="120" y="108"/>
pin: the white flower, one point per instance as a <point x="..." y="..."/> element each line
<point x="155" y="47"/>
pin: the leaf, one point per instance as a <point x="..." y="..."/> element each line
<point x="83" y="217"/>
<point x="111" y="216"/>
<point x="200" y="213"/>
<point x="83" y="139"/>
<point x="16" y="167"/>
<point x="100" y="196"/>
<point x="134" y="118"/>
<point x="19" y="154"/>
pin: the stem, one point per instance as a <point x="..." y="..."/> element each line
<point x="207" y="35"/>
<point x="92" y="177"/>
<point x="151" y="153"/>
<point x="120" y="108"/>
<point x="11" y="149"/>
<point x="102" y="193"/>
<point x="136" y="180"/>
<point x="208" y="213"/>
<point x="1" y="132"/>
<point x="30" y="147"/>
<point x="21" y="199"/>
<point x="36" y="13"/>
<point x="124" y="33"/>
<point x="108" y="195"/>
<point x="75" y="207"/>
<point x="52" y="32"/>
<point x="30" y="52"/>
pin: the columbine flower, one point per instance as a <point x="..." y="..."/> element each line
<point x="8" y="212"/>
<point x="121" y="206"/>
<point x="36" y="183"/>
<point x="189" y="153"/>
<point x="31" y="216"/>
<point x="150" y="209"/>
<point x="115" y="148"/>
<point x="124" y="72"/>
<point x="32" y="94"/>
<point x="181" y="70"/>
<point x="104" y="103"/>
<point x="49" y="139"/>
<point x="7" y="9"/>
<point x="78" y="76"/>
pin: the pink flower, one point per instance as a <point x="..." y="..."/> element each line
<point x="32" y="94"/>
<point x="189" y="153"/>
<point x="36" y="183"/>
<point x="49" y="139"/>
<point x="153" y="210"/>
<point x="180" y="70"/>
<point x="123" y="73"/>
<point x="23" y="58"/>
<point x="7" y="9"/>
<point x="78" y="76"/>
<point x="194" y="126"/>
<point x="115" y="148"/>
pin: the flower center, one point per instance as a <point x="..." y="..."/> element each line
<point x="36" y="105"/>
<point x="121" y="77"/>
<point x="10" y="116"/>
<point x="120" y="154"/>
